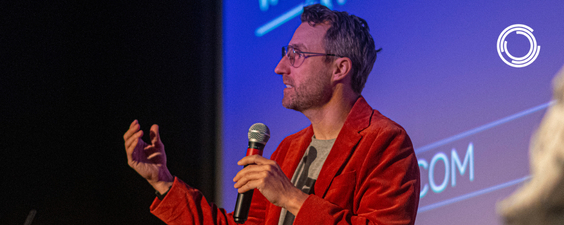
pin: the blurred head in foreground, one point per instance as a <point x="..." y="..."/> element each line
<point x="541" y="200"/>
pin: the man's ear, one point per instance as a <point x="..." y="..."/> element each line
<point x="342" y="68"/>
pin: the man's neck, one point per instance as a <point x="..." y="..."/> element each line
<point x="328" y="119"/>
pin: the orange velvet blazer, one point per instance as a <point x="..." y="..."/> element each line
<point x="371" y="176"/>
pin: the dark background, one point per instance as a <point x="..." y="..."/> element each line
<point x="74" y="75"/>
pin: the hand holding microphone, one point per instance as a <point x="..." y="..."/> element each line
<point x="266" y="176"/>
<point x="258" y="136"/>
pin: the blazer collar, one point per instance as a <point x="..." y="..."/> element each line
<point x="349" y="136"/>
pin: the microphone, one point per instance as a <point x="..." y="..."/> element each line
<point x="258" y="136"/>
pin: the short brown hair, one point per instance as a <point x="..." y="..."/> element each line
<point x="348" y="36"/>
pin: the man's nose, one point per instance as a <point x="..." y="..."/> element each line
<point x="283" y="66"/>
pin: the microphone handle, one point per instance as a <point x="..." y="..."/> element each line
<point x="243" y="203"/>
<point x="242" y="206"/>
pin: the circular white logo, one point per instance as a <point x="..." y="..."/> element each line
<point x="518" y="62"/>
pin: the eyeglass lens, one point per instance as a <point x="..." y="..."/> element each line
<point x="291" y="53"/>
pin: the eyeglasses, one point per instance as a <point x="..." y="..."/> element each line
<point x="298" y="57"/>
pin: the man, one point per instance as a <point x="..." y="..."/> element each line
<point x="351" y="166"/>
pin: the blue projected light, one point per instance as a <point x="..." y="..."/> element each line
<point x="285" y="17"/>
<point x="296" y="11"/>
<point x="466" y="80"/>
<point x="482" y="128"/>
<point x="265" y="3"/>
<point x="473" y="194"/>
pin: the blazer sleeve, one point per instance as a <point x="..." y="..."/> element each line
<point x="386" y="189"/>
<point x="186" y="205"/>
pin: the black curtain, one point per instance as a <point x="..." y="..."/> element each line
<point x="74" y="75"/>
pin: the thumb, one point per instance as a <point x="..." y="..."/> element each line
<point x="155" y="136"/>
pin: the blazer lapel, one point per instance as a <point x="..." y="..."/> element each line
<point x="295" y="152"/>
<point x="349" y="136"/>
<point x="292" y="158"/>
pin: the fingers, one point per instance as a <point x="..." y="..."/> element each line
<point x="155" y="136"/>
<point x="255" y="172"/>
<point x="246" y="173"/>
<point x="131" y="144"/>
<point x="254" y="159"/>
<point x="132" y="135"/>
<point x="258" y="168"/>
<point x="133" y="127"/>
<point x="250" y="186"/>
<point x="153" y="155"/>
<point x="133" y="139"/>
<point x="251" y="176"/>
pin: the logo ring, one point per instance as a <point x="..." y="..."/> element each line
<point x="518" y="62"/>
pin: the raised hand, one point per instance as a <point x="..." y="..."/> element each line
<point x="148" y="160"/>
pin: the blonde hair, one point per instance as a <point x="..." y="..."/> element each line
<point x="541" y="200"/>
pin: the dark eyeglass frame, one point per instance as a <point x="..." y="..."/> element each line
<point x="300" y="53"/>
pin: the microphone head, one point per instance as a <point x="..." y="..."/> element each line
<point x="259" y="133"/>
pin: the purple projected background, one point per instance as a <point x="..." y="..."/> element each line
<point x="469" y="114"/>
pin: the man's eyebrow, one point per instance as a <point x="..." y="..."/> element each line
<point x="299" y="46"/>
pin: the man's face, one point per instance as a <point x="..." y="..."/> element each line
<point x="309" y="85"/>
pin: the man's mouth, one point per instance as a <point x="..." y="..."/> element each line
<point x="289" y="86"/>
